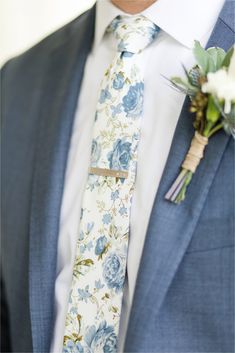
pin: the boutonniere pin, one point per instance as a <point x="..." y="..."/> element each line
<point x="210" y="86"/>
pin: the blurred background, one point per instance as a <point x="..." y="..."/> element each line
<point x="25" y="22"/>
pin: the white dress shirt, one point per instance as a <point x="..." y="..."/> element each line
<point x="181" y="22"/>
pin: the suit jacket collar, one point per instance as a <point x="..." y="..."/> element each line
<point x="171" y="227"/>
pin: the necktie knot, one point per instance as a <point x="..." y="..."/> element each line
<point x="133" y="33"/>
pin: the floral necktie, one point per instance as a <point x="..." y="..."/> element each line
<point x="95" y="299"/>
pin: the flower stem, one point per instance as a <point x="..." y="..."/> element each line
<point x="208" y="129"/>
<point x="170" y="196"/>
<point x="177" y="191"/>
<point x="216" y="128"/>
<point x="181" y="196"/>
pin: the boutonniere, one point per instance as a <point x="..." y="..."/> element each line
<point x="210" y="85"/>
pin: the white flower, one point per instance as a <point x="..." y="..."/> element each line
<point x="222" y="84"/>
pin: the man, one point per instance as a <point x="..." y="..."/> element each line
<point x="178" y="292"/>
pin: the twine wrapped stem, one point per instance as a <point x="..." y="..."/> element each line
<point x="195" y="153"/>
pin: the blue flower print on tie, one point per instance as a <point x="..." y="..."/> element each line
<point x="106" y="218"/>
<point x="100" y="245"/>
<point x="126" y="54"/>
<point x="116" y="110"/>
<point x="93" y="181"/>
<point x="85" y="247"/>
<point x="99" y="285"/>
<point x="153" y="31"/>
<point x="105" y="94"/>
<point x="72" y="347"/>
<point x="90" y="226"/>
<point x="114" y="195"/>
<point x="120" y="156"/>
<point x="95" y="152"/>
<point x="114" y="272"/>
<point x="121" y="46"/>
<point x="74" y="310"/>
<point x="84" y="294"/>
<point x="114" y="24"/>
<point x="119" y="81"/>
<point x="102" y="339"/>
<point x="123" y="211"/>
<point x="82" y="249"/>
<point x="133" y="101"/>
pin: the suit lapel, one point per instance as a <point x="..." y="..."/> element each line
<point x="171" y="227"/>
<point x="60" y="93"/>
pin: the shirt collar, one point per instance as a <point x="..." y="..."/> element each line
<point x="184" y="20"/>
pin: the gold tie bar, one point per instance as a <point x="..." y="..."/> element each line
<point x="109" y="172"/>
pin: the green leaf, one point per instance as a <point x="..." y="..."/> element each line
<point x="182" y="83"/>
<point x="227" y="58"/>
<point x="202" y="57"/>
<point x="217" y="56"/>
<point x="211" y="60"/>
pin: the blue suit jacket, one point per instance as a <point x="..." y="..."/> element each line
<point x="184" y="293"/>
